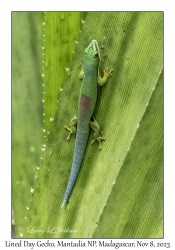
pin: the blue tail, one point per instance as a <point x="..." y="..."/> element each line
<point x="80" y="146"/>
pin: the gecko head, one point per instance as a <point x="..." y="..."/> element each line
<point x="92" y="53"/>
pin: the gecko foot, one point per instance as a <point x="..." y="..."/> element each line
<point x="99" y="139"/>
<point x="108" y="73"/>
<point x="70" y="132"/>
<point x="102" y="80"/>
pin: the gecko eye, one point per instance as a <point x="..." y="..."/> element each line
<point x="96" y="54"/>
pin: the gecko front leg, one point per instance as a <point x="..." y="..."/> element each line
<point x="97" y="135"/>
<point x="81" y="74"/>
<point x="73" y="126"/>
<point x="102" y="80"/>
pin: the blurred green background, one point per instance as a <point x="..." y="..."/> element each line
<point x="27" y="106"/>
<point x="119" y="191"/>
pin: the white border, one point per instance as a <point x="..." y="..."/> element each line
<point x="5" y="95"/>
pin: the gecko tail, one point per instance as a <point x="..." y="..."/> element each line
<point x="66" y="197"/>
<point x="80" y="146"/>
<point x="63" y="204"/>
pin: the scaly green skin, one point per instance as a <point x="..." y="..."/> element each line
<point x="87" y="102"/>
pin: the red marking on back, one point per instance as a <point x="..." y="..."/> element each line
<point x="84" y="106"/>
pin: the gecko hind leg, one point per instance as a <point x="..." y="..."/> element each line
<point x="97" y="135"/>
<point x="73" y="126"/>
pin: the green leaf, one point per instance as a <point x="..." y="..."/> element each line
<point x="27" y="108"/>
<point x="61" y="34"/>
<point x="119" y="191"/>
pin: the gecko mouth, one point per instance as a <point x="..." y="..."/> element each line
<point x="93" y="47"/>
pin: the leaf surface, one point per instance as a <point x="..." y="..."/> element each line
<point x="119" y="191"/>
